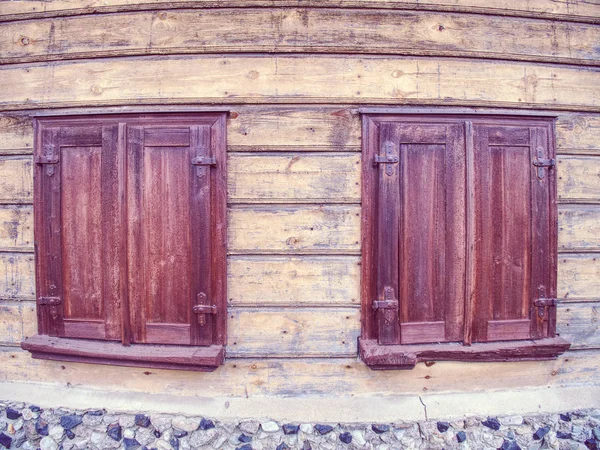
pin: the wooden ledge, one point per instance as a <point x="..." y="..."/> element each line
<point x="383" y="357"/>
<point x="204" y="359"/>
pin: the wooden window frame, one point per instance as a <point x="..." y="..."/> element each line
<point x="393" y="355"/>
<point x="166" y="356"/>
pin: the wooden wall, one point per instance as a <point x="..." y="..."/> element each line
<point x="294" y="78"/>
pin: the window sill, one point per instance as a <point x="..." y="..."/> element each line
<point x="204" y="359"/>
<point x="382" y="357"/>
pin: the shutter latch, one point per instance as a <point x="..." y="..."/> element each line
<point x="389" y="157"/>
<point x="202" y="308"/>
<point x="540" y="162"/>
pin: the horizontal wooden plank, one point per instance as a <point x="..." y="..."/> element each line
<point x="16" y="179"/>
<point x="579" y="277"/>
<point x="582" y="10"/>
<point x="291" y="177"/>
<point x="579" y="179"/>
<point x="297" y="229"/>
<point x="16" y="228"/>
<point x="579" y="324"/>
<point x="17" y="276"/>
<point x="293" y="281"/>
<point x="17" y="320"/>
<point x="579" y="228"/>
<point x="299" y="79"/>
<point x="578" y="134"/>
<point x="16" y="134"/>
<point x="269" y="332"/>
<point x="299" y="30"/>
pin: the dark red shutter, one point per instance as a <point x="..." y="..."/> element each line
<point x="512" y="257"/>
<point x="169" y="208"/>
<point x="79" y="178"/>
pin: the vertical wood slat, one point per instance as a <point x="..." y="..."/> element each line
<point x="470" y="275"/>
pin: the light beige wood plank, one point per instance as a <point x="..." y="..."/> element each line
<point x="16" y="134"/>
<point x="16" y="228"/>
<point x="564" y="10"/>
<point x="578" y="133"/>
<point x="579" y="228"/>
<point x="294" y="229"/>
<point x="292" y="332"/>
<point x="281" y="128"/>
<point x="17" y="320"/>
<point x="579" y="323"/>
<point x="306" y="79"/>
<point x="579" y="179"/>
<point x="296" y="176"/>
<point x="579" y="277"/>
<point x="17" y="276"/>
<point x="295" y="281"/>
<point x="299" y="30"/>
<point x="16" y="179"/>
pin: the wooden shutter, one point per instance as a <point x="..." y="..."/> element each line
<point x="169" y="244"/>
<point x="512" y="256"/>
<point x="421" y="244"/>
<point x="79" y="230"/>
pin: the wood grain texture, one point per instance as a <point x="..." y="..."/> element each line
<point x="579" y="277"/>
<point x="579" y="179"/>
<point x="17" y="272"/>
<point x="16" y="228"/>
<point x="579" y="10"/>
<point x="16" y="134"/>
<point x="580" y="324"/>
<point x="579" y="228"/>
<point x="16" y="179"/>
<point x="293" y="281"/>
<point x="294" y="229"/>
<point x="17" y="321"/>
<point x="299" y="30"/>
<point x="578" y="134"/>
<point x="306" y="79"/>
<point x="297" y="333"/>
<point x="281" y="178"/>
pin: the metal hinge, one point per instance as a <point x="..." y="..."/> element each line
<point x="545" y="302"/>
<point x="50" y="301"/>
<point x="202" y="308"/>
<point x="385" y="304"/>
<point x="204" y="161"/>
<point x="389" y="157"/>
<point x="540" y="162"/>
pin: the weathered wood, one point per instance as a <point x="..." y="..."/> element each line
<point x="270" y="332"/>
<point x="294" y="177"/>
<point x="324" y="229"/>
<point x="579" y="323"/>
<point x="16" y="228"/>
<point x="16" y="179"/>
<point x="17" y="272"/>
<point x="113" y="353"/>
<point x="299" y="30"/>
<point x="578" y="134"/>
<point x="582" y="10"/>
<point x="293" y="281"/>
<point x="308" y="79"/>
<point x="579" y="277"/>
<point x="579" y="228"/>
<point x="579" y="179"/>
<point x="17" y="321"/>
<point x="16" y="134"/>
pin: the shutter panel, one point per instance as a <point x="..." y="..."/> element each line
<point x="169" y="189"/>
<point x="79" y="227"/>
<point x="512" y="262"/>
<point x="431" y="230"/>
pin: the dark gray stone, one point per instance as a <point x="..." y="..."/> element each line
<point x="142" y="420"/>
<point x="114" y="431"/>
<point x="346" y="437"/>
<point x="461" y="436"/>
<point x="206" y="424"/>
<point x="282" y="446"/>
<point x="179" y="433"/>
<point x="443" y="426"/>
<point x="5" y="440"/>
<point x="289" y="428"/>
<point x="35" y="409"/>
<point x="174" y="443"/>
<point x="70" y="421"/>
<point x="566" y="417"/>
<point x="157" y="434"/>
<point x="245" y="439"/>
<point x="323" y="429"/>
<point x="561" y="435"/>
<point x="245" y="447"/>
<point x="97" y="412"/>
<point x="41" y="426"/>
<point x="12" y="414"/>
<point x="131" y="444"/>
<point x="509" y="445"/>
<point x="306" y="445"/>
<point x="592" y="444"/>
<point x="70" y="434"/>
<point x="540" y="433"/>
<point x="491" y="423"/>
<point x="380" y="428"/>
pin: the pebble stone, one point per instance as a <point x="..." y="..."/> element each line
<point x="270" y="426"/>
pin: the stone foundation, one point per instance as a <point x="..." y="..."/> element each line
<point x="30" y="427"/>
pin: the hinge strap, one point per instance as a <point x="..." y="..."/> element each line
<point x="203" y="308"/>
<point x="204" y="161"/>
<point x="50" y="301"/>
<point x="389" y="157"/>
<point x="545" y="302"/>
<point x="385" y="304"/>
<point x="541" y="162"/>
